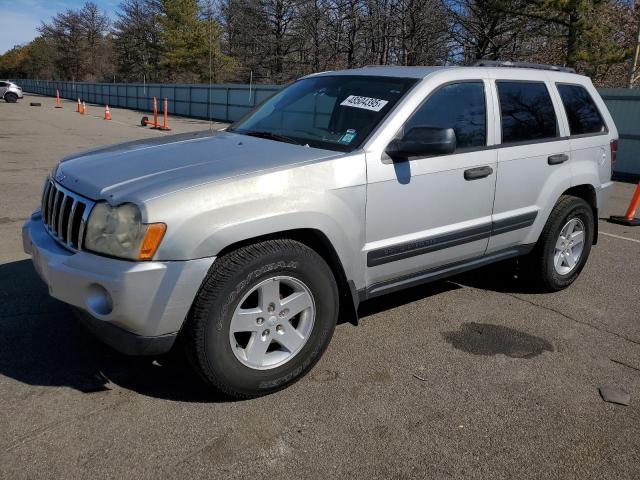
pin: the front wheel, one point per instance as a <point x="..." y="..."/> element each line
<point x="264" y="315"/>
<point x="564" y="245"/>
<point x="11" y="97"/>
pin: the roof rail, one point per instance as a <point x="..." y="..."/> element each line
<point x="509" y="63"/>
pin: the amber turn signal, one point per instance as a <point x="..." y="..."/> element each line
<point x="152" y="239"/>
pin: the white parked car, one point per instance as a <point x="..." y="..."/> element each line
<point x="9" y="91"/>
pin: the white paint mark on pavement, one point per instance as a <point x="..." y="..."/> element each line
<point x="620" y="237"/>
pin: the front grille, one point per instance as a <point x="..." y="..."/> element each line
<point x="65" y="214"/>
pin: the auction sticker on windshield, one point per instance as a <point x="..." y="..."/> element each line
<point x="374" y="104"/>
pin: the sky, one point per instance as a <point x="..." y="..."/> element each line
<point x="20" y="18"/>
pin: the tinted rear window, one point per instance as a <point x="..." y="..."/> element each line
<point x="582" y="113"/>
<point x="527" y="112"/>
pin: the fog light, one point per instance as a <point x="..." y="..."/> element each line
<point x="98" y="300"/>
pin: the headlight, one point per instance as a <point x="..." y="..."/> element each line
<point x="119" y="232"/>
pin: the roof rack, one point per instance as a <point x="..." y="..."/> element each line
<point x="508" y="63"/>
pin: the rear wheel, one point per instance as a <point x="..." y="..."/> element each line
<point x="564" y="245"/>
<point x="10" y="97"/>
<point x="263" y="317"/>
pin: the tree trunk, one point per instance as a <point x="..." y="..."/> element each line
<point x="636" y="54"/>
<point x="572" y="40"/>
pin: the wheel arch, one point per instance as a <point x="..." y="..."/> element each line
<point x="321" y="244"/>
<point x="587" y="192"/>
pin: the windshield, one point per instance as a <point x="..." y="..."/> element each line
<point x="330" y="112"/>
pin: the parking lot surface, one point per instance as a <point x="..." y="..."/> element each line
<point x="474" y="377"/>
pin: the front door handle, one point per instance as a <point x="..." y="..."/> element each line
<point x="557" y="159"/>
<point x="478" y="172"/>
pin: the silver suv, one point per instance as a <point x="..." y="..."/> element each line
<point x="245" y="244"/>
<point x="9" y="91"/>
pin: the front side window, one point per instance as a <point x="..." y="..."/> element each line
<point x="582" y="113"/>
<point x="460" y="106"/>
<point x="527" y="112"/>
<point x="330" y="112"/>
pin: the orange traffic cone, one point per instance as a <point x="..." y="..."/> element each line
<point x="79" y="107"/>
<point x="84" y="109"/>
<point x="107" y="114"/>
<point x="629" y="217"/>
<point x="165" y="111"/>
<point x="58" y="103"/>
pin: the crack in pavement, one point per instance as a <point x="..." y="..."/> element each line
<point x="40" y="431"/>
<point x="625" y="364"/>
<point x="562" y="314"/>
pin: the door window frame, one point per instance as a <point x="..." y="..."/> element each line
<point x="487" y="103"/>
<point x="564" y="111"/>
<point x="558" y="137"/>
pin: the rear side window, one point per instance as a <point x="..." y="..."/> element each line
<point x="582" y="113"/>
<point x="460" y="106"/>
<point x="527" y="112"/>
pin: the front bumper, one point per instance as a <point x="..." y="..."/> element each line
<point x="136" y="307"/>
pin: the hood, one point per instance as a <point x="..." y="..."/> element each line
<point x="143" y="169"/>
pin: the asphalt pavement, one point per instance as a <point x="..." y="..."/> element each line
<point x="473" y="377"/>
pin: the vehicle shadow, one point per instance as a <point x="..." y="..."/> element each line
<point x="503" y="277"/>
<point x="403" y="297"/>
<point x="42" y="344"/>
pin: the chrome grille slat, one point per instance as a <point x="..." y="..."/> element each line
<point x="55" y="201"/>
<point x="45" y="197"/>
<point x="52" y="191"/>
<point x="83" y="224"/>
<point x="54" y="218"/>
<point x="58" y="224"/>
<point x="72" y="214"/>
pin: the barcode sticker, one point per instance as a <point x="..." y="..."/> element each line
<point x="373" y="104"/>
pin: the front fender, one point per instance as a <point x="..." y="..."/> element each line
<point x="327" y="196"/>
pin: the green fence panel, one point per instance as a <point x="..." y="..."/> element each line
<point x="228" y="102"/>
<point x="624" y="106"/>
<point x="223" y="102"/>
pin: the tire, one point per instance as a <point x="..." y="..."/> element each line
<point x="230" y="285"/>
<point x="143" y="121"/>
<point x="11" y="97"/>
<point x="549" y="271"/>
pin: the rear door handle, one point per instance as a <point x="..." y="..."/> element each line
<point x="557" y="159"/>
<point x="478" y="172"/>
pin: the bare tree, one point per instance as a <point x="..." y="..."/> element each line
<point x="634" y="64"/>
<point x="275" y="41"/>
<point x="136" y="38"/>
<point x="78" y="40"/>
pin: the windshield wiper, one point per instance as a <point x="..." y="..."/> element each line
<point x="268" y="136"/>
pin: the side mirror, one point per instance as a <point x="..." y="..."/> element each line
<point x="423" y="141"/>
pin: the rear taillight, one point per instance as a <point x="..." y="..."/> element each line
<point x="614" y="153"/>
